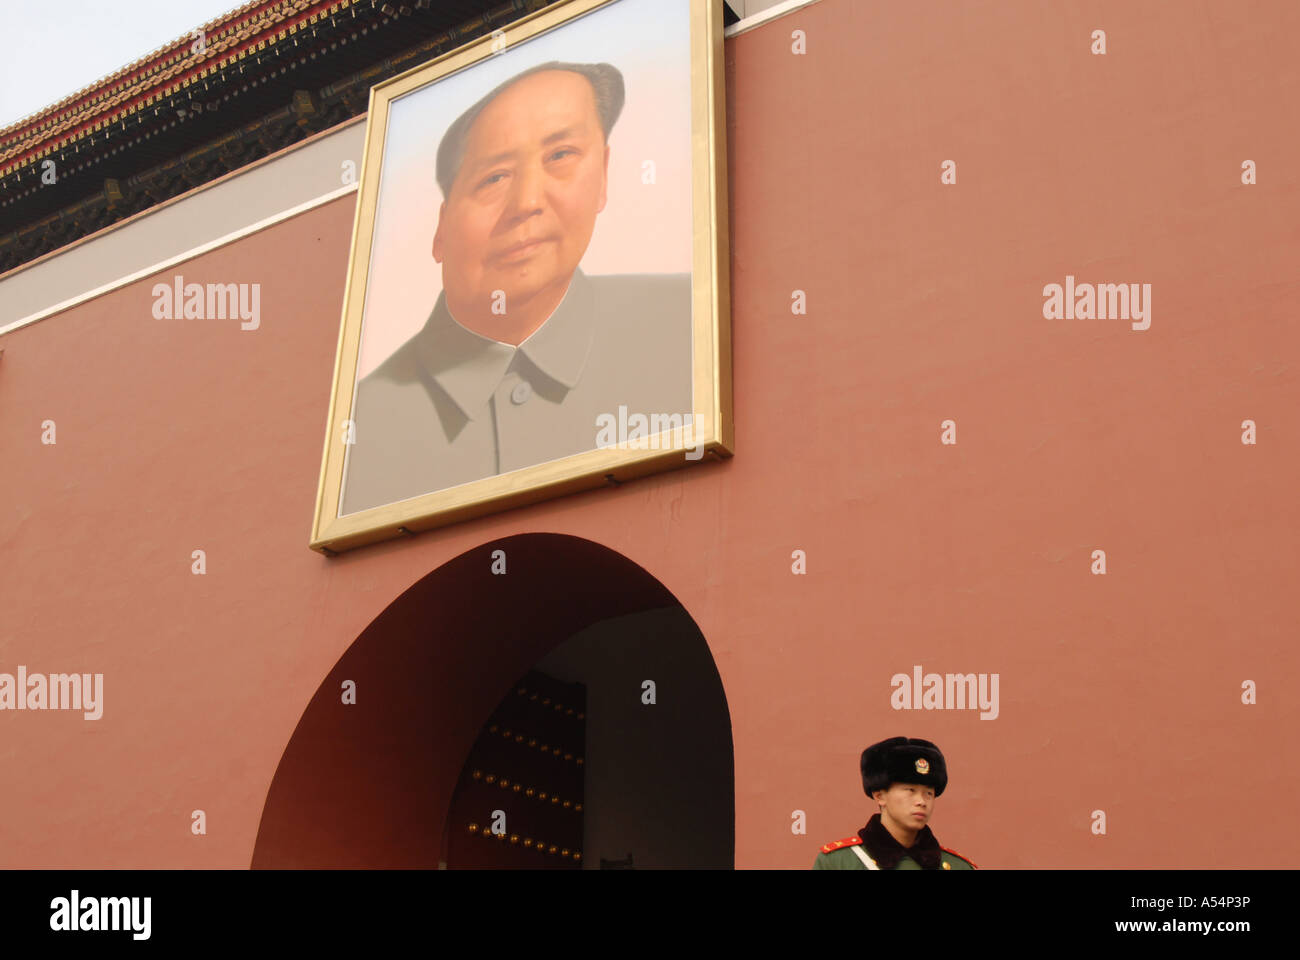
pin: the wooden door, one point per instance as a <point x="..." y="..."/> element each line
<point x="519" y="801"/>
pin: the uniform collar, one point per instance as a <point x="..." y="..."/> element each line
<point x="470" y="367"/>
<point x="887" y="851"/>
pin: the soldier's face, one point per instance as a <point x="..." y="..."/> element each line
<point x="524" y="203"/>
<point x="910" y="805"/>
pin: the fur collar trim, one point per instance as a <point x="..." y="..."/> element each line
<point x="887" y="851"/>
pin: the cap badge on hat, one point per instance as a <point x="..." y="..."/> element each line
<point x="922" y="765"/>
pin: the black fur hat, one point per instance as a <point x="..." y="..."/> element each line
<point x="900" y="760"/>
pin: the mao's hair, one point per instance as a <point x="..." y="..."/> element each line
<point x="606" y="83"/>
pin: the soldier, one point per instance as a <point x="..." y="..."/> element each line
<point x="904" y="777"/>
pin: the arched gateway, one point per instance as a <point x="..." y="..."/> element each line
<point x="452" y="679"/>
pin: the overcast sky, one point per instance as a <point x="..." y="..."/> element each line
<point x="52" y="49"/>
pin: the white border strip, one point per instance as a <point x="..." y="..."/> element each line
<point x="758" y="19"/>
<point x="182" y="257"/>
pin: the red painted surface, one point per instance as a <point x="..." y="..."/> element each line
<point x="1119" y="693"/>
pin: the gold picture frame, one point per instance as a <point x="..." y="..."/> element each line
<point x="710" y="363"/>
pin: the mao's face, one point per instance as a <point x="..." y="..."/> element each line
<point x="524" y="203"/>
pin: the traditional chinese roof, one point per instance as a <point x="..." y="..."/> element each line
<point x="170" y="69"/>
<point x="267" y="74"/>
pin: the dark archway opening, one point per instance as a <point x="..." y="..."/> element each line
<point x="371" y="784"/>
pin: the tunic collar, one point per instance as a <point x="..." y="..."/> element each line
<point x="470" y="367"/>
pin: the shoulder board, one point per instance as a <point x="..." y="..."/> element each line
<point x="959" y="856"/>
<point x="840" y="844"/>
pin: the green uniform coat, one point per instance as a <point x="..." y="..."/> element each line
<point x="845" y="859"/>
<point x="874" y="848"/>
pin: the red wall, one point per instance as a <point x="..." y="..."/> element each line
<point x="1119" y="693"/>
